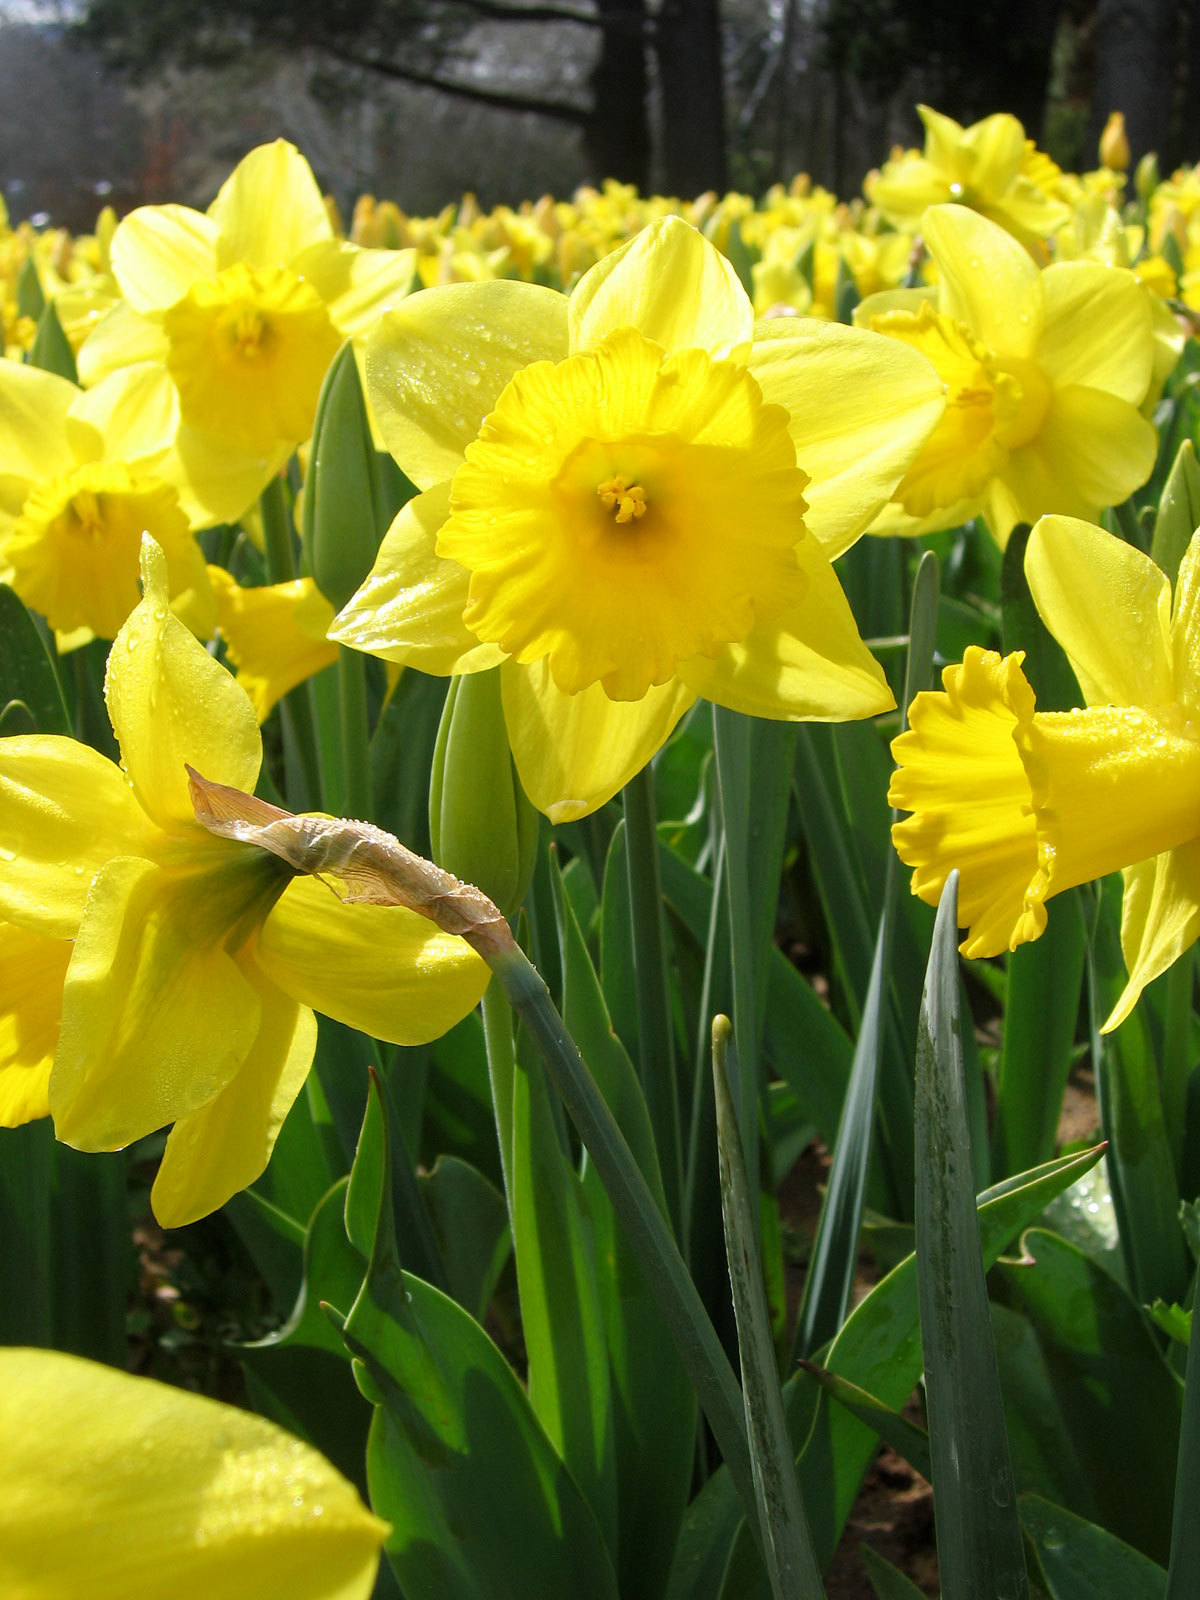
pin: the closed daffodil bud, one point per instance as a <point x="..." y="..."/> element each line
<point x="1114" y="143"/>
<point x="1145" y="178"/>
<point x="481" y="825"/>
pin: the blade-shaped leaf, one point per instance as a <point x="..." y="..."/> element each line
<point x="787" y="1548"/>
<point x="1080" y="1561"/>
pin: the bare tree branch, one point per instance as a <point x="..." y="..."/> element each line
<point x="558" y="110"/>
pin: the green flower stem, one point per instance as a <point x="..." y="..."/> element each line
<point x="1184" y="1570"/>
<point x="502" y="1067"/>
<point x="656" y="1034"/>
<point x="356" y="766"/>
<point x="1176" y="1058"/>
<point x="277" y="532"/>
<point x="695" y="1337"/>
<point x="296" y="708"/>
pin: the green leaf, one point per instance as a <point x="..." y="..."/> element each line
<point x="1080" y="1561"/>
<point x="470" y="1224"/>
<point x="1117" y="1404"/>
<point x="904" y="1437"/>
<point x="1046" y="665"/>
<point x="1183" y="1578"/>
<point x="787" y="1548"/>
<point x="31" y="302"/>
<point x="67" y="1262"/>
<point x="806" y="1045"/>
<point x="273" y="1240"/>
<point x="411" y="1225"/>
<point x="978" y="1532"/>
<point x="616" y="943"/>
<point x="879" y="1348"/>
<point x="300" y="1375"/>
<point x="17" y="718"/>
<point x="27" y="671"/>
<point x="51" y="348"/>
<point x="401" y="752"/>
<point x="754" y="766"/>
<point x="457" y="1461"/>
<point x="1045" y="978"/>
<point x="710" y="1527"/>
<point x="888" y="1582"/>
<point x="1178" y="514"/>
<point x="561" y="1316"/>
<point x="1174" y="1320"/>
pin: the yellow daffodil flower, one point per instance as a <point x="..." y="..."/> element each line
<point x="34" y="969"/>
<point x="983" y="166"/>
<point x="196" y="963"/>
<point x="275" y="635"/>
<point x="1027" y="803"/>
<point x="1045" y="372"/>
<point x="631" y="498"/>
<point x="247" y="303"/>
<point x="84" y="473"/>
<point x="121" y="1488"/>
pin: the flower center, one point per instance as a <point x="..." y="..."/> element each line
<point x="1032" y="397"/>
<point x="248" y="350"/>
<point x="74" y="548"/>
<point x="626" y="510"/>
<point x="969" y="445"/>
<point x="624" y="499"/>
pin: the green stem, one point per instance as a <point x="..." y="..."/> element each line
<point x="300" y="738"/>
<point x="502" y="1068"/>
<point x="277" y="532"/>
<point x="1183" y="1574"/>
<point x="356" y="766"/>
<point x="656" y="1032"/>
<point x="1176" y="1056"/>
<point x="645" y="1226"/>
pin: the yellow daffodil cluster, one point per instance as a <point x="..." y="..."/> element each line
<point x="641" y="432"/>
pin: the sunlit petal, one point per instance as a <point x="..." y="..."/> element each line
<point x="268" y="209"/>
<point x="32" y="971"/>
<point x="158" y="252"/>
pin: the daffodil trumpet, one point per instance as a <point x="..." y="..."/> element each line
<point x="1026" y="803"/>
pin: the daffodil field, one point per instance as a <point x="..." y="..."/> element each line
<point x="476" y="694"/>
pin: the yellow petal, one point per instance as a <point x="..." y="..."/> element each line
<point x="33" y="438"/>
<point x="960" y="772"/>
<point x="275" y="634"/>
<point x="861" y="407"/>
<point x="810" y="664"/>
<point x="670" y="284"/>
<point x="436" y="364"/>
<point x="121" y="1488"/>
<point x="998" y="147"/>
<point x="410" y="606"/>
<point x="171" y="703"/>
<point x="1160" y="919"/>
<point x="1098" y="447"/>
<point x="382" y="969"/>
<point x="120" y="339"/>
<point x="158" y="252"/>
<point x="357" y="285"/>
<point x="32" y="971"/>
<point x="943" y="138"/>
<point x="135" y="411"/>
<point x="988" y="280"/>
<point x="574" y="752"/>
<point x="268" y="209"/>
<point x="214" y="479"/>
<point x="219" y="1150"/>
<point x="1098" y="329"/>
<point x="1109" y="607"/>
<point x="157" y="1017"/>
<point x="64" y="812"/>
<point x="1185" y="629"/>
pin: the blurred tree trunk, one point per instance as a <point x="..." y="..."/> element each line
<point x="693" y="96"/>
<point x="616" y="133"/>
<point x="1136" y="67"/>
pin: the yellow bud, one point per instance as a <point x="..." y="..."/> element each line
<point x="1114" y="145"/>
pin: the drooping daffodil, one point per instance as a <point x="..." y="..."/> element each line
<point x="990" y="166"/>
<point x="122" y="1488"/>
<point x="631" y="498"/>
<point x="246" y="304"/>
<point x="197" y="962"/>
<point x="1026" y="803"/>
<point x="84" y="473"/>
<point x="1044" y="371"/>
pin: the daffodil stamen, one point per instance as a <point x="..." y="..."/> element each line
<point x="627" y="500"/>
